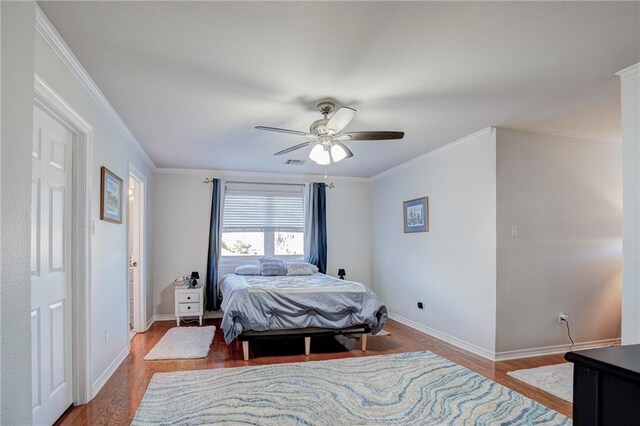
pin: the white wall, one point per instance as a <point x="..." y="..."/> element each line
<point x="630" y="86"/>
<point x="349" y="230"/>
<point x="180" y="224"/>
<point x="109" y="258"/>
<point x="16" y="63"/>
<point x="565" y="197"/>
<point x="182" y="206"/>
<point x="453" y="266"/>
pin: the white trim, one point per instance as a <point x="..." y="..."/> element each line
<point x="438" y="151"/>
<point x="140" y="299"/>
<point x="560" y="135"/>
<point x="505" y="355"/>
<point x="106" y="375"/>
<point x="556" y="349"/>
<point x="172" y="317"/>
<point x="630" y="73"/>
<point x="230" y="174"/>
<point x="150" y="322"/>
<point x="48" y="32"/>
<point x="462" y="344"/>
<point x="47" y="99"/>
<point x="164" y="317"/>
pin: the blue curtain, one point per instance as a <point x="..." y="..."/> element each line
<point x="318" y="228"/>
<point x="211" y="290"/>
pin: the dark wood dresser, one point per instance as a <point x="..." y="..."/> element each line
<point x="606" y="386"/>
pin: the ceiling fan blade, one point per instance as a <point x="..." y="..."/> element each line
<point x="276" y="129"/>
<point x="371" y="136"/>
<point x="340" y="119"/>
<point x="293" y="148"/>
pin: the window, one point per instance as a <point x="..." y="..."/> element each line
<point x="262" y="220"/>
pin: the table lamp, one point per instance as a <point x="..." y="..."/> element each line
<point x="194" y="276"/>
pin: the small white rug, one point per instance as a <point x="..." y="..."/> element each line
<point x="555" y="379"/>
<point x="182" y="343"/>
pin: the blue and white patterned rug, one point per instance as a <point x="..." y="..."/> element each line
<point x="417" y="388"/>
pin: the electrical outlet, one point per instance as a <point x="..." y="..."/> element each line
<point x="562" y="317"/>
<point x="106" y="334"/>
<point x="420" y="304"/>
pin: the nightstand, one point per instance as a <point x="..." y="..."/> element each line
<point x="189" y="302"/>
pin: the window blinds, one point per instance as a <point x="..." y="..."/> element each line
<point x="263" y="208"/>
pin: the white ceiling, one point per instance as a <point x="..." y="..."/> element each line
<point x="191" y="80"/>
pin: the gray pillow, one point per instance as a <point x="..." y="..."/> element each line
<point x="248" y="270"/>
<point x="301" y="268"/>
<point x="273" y="267"/>
<point x="269" y="259"/>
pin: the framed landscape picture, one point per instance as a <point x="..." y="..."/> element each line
<point x="416" y="215"/>
<point x="110" y="196"/>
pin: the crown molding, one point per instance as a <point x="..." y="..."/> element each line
<point x="225" y="174"/>
<point x="558" y="135"/>
<point x="48" y="32"/>
<point x="630" y="73"/>
<point x="436" y="152"/>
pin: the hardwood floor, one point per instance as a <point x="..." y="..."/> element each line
<point x="117" y="402"/>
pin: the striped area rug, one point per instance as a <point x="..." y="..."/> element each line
<point x="417" y="388"/>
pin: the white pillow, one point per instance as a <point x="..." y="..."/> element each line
<point x="248" y="270"/>
<point x="300" y="268"/>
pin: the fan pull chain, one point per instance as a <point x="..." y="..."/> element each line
<point x="326" y="175"/>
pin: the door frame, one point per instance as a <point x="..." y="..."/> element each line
<point x="140" y="296"/>
<point x="81" y="229"/>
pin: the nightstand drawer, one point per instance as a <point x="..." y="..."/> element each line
<point x="189" y="308"/>
<point x="191" y="297"/>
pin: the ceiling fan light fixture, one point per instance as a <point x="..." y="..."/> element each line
<point x="320" y="155"/>
<point x="338" y="153"/>
<point x="327" y="134"/>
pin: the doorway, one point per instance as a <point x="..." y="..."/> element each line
<point x="136" y="244"/>
<point x="60" y="256"/>
<point x="60" y="248"/>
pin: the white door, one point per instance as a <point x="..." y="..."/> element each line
<point x="50" y="269"/>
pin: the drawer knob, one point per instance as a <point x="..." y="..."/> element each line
<point x="188" y="297"/>
<point x="188" y="307"/>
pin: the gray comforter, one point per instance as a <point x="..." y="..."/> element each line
<point x="258" y="303"/>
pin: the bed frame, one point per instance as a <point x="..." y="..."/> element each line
<point x="249" y="336"/>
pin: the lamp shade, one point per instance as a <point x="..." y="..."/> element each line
<point x="320" y="154"/>
<point x="338" y="153"/>
<point x="195" y="275"/>
<point x="341" y="272"/>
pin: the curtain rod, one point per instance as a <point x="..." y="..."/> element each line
<point x="209" y="180"/>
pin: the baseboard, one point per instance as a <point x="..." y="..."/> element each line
<point x="150" y="322"/>
<point x="172" y="317"/>
<point x="556" y="349"/>
<point x="462" y="344"/>
<point x="106" y="375"/>
<point x="164" y="317"/>
<point x="505" y="355"/>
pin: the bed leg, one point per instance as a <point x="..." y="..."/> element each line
<point x="307" y="346"/>
<point x="245" y="350"/>
<point x="364" y="342"/>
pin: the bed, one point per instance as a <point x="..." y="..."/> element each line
<point x="257" y="307"/>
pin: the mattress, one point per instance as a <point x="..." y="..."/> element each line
<point x="259" y="303"/>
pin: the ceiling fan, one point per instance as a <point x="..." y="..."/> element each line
<point x="327" y="136"/>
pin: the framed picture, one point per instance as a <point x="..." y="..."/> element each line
<point x="416" y="215"/>
<point x="110" y="196"/>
